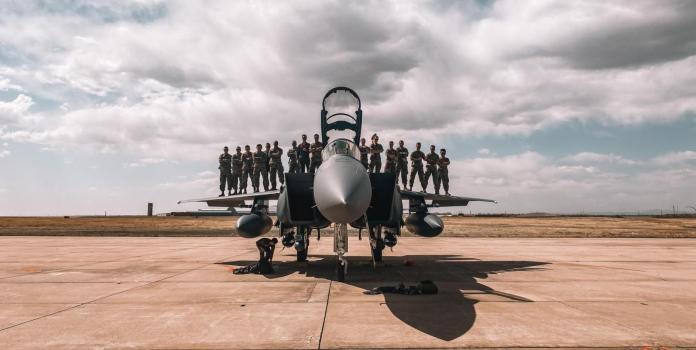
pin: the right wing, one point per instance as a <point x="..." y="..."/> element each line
<point x="235" y="201"/>
<point x="443" y="200"/>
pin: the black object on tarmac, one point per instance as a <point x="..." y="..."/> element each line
<point x="423" y="287"/>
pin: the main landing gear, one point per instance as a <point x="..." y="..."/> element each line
<point x="299" y="240"/>
<point x="376" y="244"/>
<point x="302" y="243"/>
<point x="380" y="240"/>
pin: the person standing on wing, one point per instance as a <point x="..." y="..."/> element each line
<point x="376" y="155"/>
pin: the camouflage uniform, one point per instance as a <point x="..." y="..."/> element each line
<point x="225" y="167"/>
<point x="364" y="155"/>
<point x="268" y="156"/>
<point x="402" y="164"/>
<point x="417" y="168"/>
<point x="431" y="169"/>
<point x="293" y="166"/>
<point x="237" y="171"/>
<point x="276" y="166"/>
<point x="390" y="165"/>
<point x="315" y="150"/>
<point x="303" y="156"/>
<point x="247" y="171"/>
<point x="260" y="170"/>
<point x="443" y="173"/>
<point x="376" y="157"/>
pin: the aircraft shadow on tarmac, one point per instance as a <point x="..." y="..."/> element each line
<point x="447" y="315"/>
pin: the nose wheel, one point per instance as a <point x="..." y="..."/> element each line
<point x="341" y="269"/>
<point x="341" y="248"/>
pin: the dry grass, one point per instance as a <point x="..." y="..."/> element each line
<point x="454" y="226"/>
<point x="117" y="226"/>
<point x="570" y="227"/>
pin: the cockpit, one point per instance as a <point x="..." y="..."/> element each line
<point x="341" y="119"/>
<point x="340" y="146"/>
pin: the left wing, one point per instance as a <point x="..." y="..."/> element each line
<point x="235" y="201"/>
<point x="440" y="200"/>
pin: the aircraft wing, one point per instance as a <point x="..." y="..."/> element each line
<point x="440" y="200"/>
<point x="236" y="200"/>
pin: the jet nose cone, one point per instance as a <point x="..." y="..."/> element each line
<point x="342" y="189"/>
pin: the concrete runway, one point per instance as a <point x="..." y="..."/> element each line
<point x="180" y="293"/>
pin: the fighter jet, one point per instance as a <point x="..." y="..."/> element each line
<point x="342" y="193"/>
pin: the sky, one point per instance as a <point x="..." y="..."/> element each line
<point x="553" y="106"/>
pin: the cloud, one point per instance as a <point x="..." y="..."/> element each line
<point x="4" y="152"/>
<point x="205" y="182"/>
<point x="244" y="72"/>
<point x="675" y="158"/>
<point x="143" y="162"/>
<point x="591" y="157"/>
<point x="594" y="35"/>
<point x="530" y="181"/>
<point x="6" y="85"/>
<point x="12" y="112"/>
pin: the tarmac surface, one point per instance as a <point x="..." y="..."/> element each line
<point x="180" y="293"/>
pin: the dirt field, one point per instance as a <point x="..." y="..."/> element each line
<point x="518" y="227"/>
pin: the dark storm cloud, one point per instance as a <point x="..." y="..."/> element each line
<point x="635" y="42"/>
<point x="351" y="43"/>
<point x="435" y="67"/>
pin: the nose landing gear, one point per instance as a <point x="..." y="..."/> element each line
<point x="341" y="248"/>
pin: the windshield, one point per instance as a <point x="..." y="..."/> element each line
<point x="340" y="146"/>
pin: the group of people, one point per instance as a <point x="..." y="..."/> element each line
<point x="236" y="169"/>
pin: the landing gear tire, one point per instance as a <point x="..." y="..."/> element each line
<point x="340" y="272"/>
<point x="302" y="255"/>
<point x="376" y="244"/>
<point x="302" y="243"/>
<point x="377" y="251"/>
